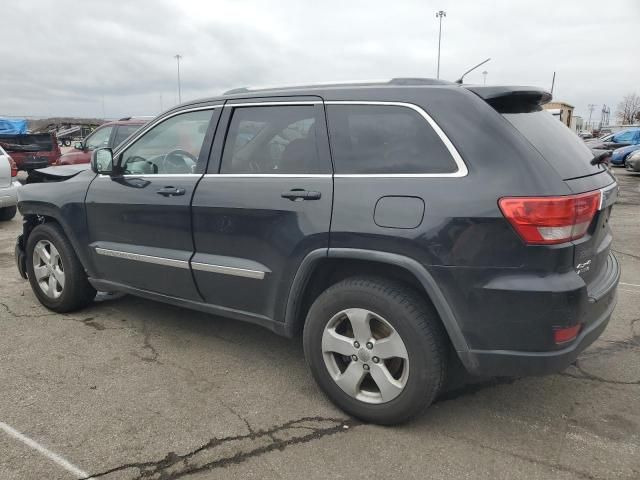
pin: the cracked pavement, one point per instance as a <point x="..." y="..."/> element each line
<point x="131" y="389"/>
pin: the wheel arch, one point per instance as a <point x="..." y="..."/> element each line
<point x="37" y="213"/>
<point x="323" y="267"/>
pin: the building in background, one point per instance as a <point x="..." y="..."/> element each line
<point x="562" y="110"/>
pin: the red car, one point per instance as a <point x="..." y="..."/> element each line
<point x="109" y="135"/>
<point x="32" y="150"/>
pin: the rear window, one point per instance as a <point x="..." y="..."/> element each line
<point x="27" y="143"/>
<point x="561" y="147"/>
<point x="380" y="139"/>
<point x="123" y="132"/>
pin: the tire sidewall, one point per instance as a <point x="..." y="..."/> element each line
<point x="424" y="362"/>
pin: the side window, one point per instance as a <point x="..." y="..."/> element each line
<point x="380" y="139"/>
<point x="171" y="147"/>
<point x="99" y="139"/>
<point x="270" y="139"/>
<point x="122" y="133"/>
<point x="624" y="136"/>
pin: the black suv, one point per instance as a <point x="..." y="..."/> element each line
<point x="397" y="225"/>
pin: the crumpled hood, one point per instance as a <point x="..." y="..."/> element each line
<point x="57" y="173"/>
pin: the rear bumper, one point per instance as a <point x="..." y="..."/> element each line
<point x="521" y="363"/>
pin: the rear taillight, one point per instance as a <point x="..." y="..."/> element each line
<point x="14" y="167"/>
<point x="549" y="220"/>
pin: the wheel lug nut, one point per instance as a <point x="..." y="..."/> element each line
<point x="356" y="344"/>
<point x="369" y="345"/>
<point x="375" y="359"/>
<point x="365" y="366"/>
<point x="354" y="358"/>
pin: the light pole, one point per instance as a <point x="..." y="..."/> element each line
<point x="178" y="57"/>
<point x="591" y="106"/>
<point x="439" y="15"/>
<point x="484" y="74"/>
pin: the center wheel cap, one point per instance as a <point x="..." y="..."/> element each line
<point x="364" y="355"/>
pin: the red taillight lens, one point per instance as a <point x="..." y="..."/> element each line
<point x="566" y="334"/>
<point x="549" y="220"/>
<point x="14" y="167"/>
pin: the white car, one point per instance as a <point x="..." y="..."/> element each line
<point x="8" y="186"/>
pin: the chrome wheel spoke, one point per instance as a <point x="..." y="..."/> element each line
<point x="389" y="387"/>
<point x="59" y="275"/>
<point x="336" y="343"/>
<point x="41" y="272"/>
<point x="359" y="319"/>
<point x="42" y="254"/>
<point x="391" y="346"/>
<point x="351" y="378"/>
<point x="52" y="286"/>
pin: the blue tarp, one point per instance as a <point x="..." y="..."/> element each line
<point x="12" y="127"/>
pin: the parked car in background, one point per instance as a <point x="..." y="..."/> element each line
<point x="32" y="150"/>
<point x="336" y="212"/>
<point x="108" y="135"/>
<point x="585" y="135"/>
<point x="633" y="162"/>
<point x="619" y="155"/>
<point x="8" y="185"/>
<point x="630" y="136"/>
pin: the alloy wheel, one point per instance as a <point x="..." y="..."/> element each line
<point x="48" y="269"/>
<point x="365" y="356"/>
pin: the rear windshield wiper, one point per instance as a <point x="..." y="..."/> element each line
<point x="601" y="158"/>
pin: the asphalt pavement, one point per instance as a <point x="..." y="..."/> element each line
<point x="131" y="389"/>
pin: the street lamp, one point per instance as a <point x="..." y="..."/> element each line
<point x="439" y="15"/>
<point x="484" y="74"/>
<point x="178" y="57"/>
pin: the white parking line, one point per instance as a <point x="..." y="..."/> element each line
<point x="54" y="457"/>
<point x="630" y="284"/>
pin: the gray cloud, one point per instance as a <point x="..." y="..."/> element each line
<point x="64" y="57"/>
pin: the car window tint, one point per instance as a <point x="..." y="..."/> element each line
<point x="370" y="139"/>
<point x="123" y="132"/>
<point x="277" y="140"/>
<point x="99" y="138"/>
<point x="171" y="147"/>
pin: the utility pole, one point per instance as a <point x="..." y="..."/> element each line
<point x="440" y="14"/>
<point x="591" y="106"/>
<point x="178" y="57"/>
<point x="553" y="83"/>
<point x="484" y="74"/>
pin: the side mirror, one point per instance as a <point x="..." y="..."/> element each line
<point x="102" y="161"/>
<point x="78" y="146"/>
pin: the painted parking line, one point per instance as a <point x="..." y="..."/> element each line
<point x="629" y="284"/>
<point x="54" y="457"/>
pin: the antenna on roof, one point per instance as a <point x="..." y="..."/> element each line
<point x="471" y="70"/>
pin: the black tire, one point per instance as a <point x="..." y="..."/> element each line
<point x="77" y="292"/>
<point x="7" y="213"/>
<point x="419" y="327"/>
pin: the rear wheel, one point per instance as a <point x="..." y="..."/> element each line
<point x="56" y="275"/>
<point x="376" y="348"/>
<point x="7" y="213"/>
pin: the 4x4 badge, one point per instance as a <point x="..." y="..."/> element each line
<point x="583" y="267"/>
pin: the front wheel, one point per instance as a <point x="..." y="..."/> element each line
<point x="376" y="348"/>
<point x="56" y="275"/>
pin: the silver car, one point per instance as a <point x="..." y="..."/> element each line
<point x="633" y="162"/>
<point x="8" y="186"/>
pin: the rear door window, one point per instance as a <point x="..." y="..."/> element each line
<point x="385" y="139"/>
<point x="560" y="146"/>
<point x="273" y="140"/>
<point x="122" y="133"/>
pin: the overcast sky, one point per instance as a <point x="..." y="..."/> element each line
<point x="64" y="57"/>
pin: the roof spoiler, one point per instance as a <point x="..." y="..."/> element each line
<point x="515" y="98"/>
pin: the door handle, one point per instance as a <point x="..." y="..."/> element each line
<point x="171" y="191"/>
<point x="298" y="194"/>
